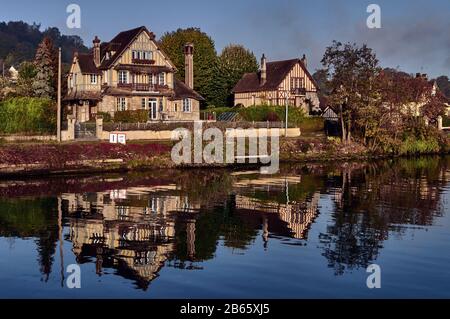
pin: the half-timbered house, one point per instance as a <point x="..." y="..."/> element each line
<point x="131" y="72"/>
<point x="277" y="82"/>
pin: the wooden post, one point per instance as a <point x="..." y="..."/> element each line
<point x="286" y="128"/>
<point x="58" y="112"/>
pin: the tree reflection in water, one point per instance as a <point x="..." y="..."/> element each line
<point x="136" y="224"/>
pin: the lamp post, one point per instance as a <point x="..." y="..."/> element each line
<point x="286" y="92"/>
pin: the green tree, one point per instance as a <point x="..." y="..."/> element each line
<point x="44" y="83"/>
<point x="233" y="62"/>
<point x="352" y="72"/>
<point x="205" y="57"/>
<point x="27" y="74"/>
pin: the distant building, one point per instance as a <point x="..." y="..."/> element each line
<point x="13" y="74"/>
<point x="277" y="80"/>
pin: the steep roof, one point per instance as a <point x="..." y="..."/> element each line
<point x="86" y="63"/>
<point x="118" y="44"/>
<point x="121" y="42"/>
<point x="182" y="91"/>
<point x="276" y="73"/>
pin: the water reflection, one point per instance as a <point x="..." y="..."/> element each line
<point x="136" y="224"/>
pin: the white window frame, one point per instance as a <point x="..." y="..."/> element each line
<point x="123" y="77"/>
<point x="187" y="105"/>
<point x="153" y="108"/>
<point x="122" y="104"/>
<point x="93" y="78"/>
<point x="162" y="78"/>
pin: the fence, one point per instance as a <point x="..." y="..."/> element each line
<point x="169" y="126"/>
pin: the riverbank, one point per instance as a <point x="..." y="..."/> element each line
<point x="50" y="158"/>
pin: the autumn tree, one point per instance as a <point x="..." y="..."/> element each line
<point x="45" y="81"/>
<point x="351" y="73"/>
<point x="205" y="56"/>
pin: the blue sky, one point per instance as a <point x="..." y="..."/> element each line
<point x="415" y="35"/>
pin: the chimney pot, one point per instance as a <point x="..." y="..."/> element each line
<point x="305" y="61"/>
<point x="96" y="50"/>
<point x="189" y="64"/>
<point x="263" y="70"/>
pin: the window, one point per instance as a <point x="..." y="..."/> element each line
<point x="123" y="77"/>
<point x="186" y="105"/>
<point x="93" y="79"/>
<point x="148" y="55"/>
<point x="297" y="83"/>
<point x="143" y="103"/>
<point x="121" y="104"/>
<point x="133" y="54"/>
<point x="161" y="105"/>
<point x="161" y="78"/>
<point x="152" y="105"/>
<point x="150" y="79"/>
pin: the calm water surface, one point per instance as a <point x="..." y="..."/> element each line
<point x="310" y="231"/>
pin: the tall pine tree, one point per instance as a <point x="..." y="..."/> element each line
<point x="45" y="81"/>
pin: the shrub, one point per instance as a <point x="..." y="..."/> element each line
<point x="107" y="118"/>
<point x="259" y="113"/>
<point x="312" y="124"/>
<point x="135" y="116"/>
<point x="27" y="115"/>
<point x="272" y="117"/>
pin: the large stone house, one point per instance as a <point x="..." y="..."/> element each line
<point x="277" y="81"/>
<point x="131" y="72"/>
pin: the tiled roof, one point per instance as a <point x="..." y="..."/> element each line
<point x="119" y="44"/>
<point x="276" y="73"/>
<point x="86" y="63"/>
<point x="182" y="91"/>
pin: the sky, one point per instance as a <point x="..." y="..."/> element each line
<point x="414" y="34"/>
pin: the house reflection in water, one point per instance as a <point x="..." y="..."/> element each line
<point x="131" y="230"/>
<point x="297" y="215"/>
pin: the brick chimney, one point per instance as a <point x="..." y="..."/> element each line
<point x="189" y="65"/>
<point x="96" y="43"/>
<point x="263" y="70"/>
<point x="304" y="61"/>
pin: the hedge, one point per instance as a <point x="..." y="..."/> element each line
<point x="26" y="115"/>
<point x="136" y="116"/>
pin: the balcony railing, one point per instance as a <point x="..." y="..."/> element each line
<point x="142" y="61"/>
<point x="142" y="87"/>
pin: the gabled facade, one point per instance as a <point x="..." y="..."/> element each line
<point x="277" y="80"/>
<point x="131" y="73"/>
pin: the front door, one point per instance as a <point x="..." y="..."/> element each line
<point x="153" y="107"/>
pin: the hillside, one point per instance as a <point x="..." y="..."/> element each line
<point x="19" y="41"/>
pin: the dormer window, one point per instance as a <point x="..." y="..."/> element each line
<point x="93" y="79"/>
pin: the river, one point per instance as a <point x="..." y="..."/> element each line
<point x="310" y="231"/>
